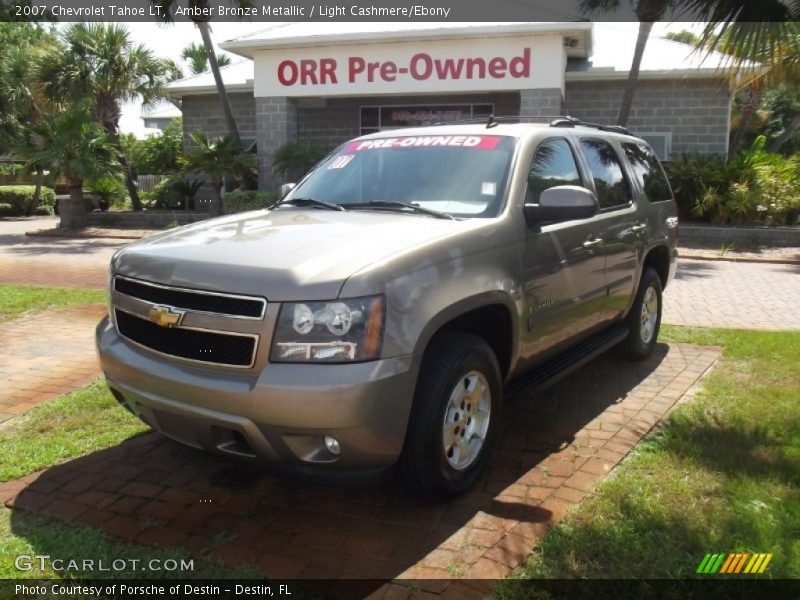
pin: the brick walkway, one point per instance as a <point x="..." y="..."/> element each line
<point x="554" y="450"/>
<point x="741" y="295"/>
<point x="52" y="261"/>
<point x="48" y="354"/>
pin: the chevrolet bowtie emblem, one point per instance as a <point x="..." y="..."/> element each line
<point x="166" y="316"/>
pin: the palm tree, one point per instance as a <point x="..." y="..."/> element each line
<point x="98" y="62"/>
<point x="764" y="32"/>
<point x="647" y="11"/>
<point x="218" y="159"/>
<point x="166" y="12"/>
<point x="71" y="145"/>
<point x="21" y="103"/>
<point x="195" y="54"/>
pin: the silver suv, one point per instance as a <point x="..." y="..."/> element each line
<point x="377" y="314"/>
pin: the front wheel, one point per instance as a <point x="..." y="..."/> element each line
<point x="644" y="320"/>
<point x="457" y="409"/>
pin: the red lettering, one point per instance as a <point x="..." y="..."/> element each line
<point x="290" y="77"/>
<point x="327" y="70"/>
<point x="371" y="68"/>
<point x="449" y="68"/>
<point x="389" y="71"/>
<point x="497" y="67"/>
<point x="427" y="66"/>
<point x="356" y="66"/>
<point x="520" y="66"/>
<point x="308" y="72"/>
<point x="472" y="64"/>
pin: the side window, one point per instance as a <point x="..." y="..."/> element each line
<point x="609" y="180"/>
<point x="648" y="172"/>
<point x="552" y="165"/>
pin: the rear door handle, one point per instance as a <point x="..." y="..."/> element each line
<point x="592" y="243"/>
<point x="639" y="227"/>
<point x="672" y="222"/>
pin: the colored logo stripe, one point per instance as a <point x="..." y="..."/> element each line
<point x="734" y="563"/>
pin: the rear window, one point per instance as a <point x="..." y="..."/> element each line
<point x="648" y="172"/>
<point x="464" y="175"/>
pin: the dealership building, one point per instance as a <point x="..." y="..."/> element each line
<point x="334" y="81"/>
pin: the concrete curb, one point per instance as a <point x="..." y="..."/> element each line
<point x="769" y="261"/>
<point x="113" y="235"/>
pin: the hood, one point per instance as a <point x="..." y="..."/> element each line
<point x="285" y="254"/>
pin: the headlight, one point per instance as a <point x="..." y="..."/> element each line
<point x="332" y="332"/>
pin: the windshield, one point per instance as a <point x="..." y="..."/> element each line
<point x="462" y="175"/>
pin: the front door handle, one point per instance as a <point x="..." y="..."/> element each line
<point x="639" y="227"/>
<point x="592" y="243"/>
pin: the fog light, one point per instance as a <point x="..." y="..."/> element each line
<point x="332" y="444"/>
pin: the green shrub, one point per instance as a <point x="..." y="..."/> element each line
<point x="43" y="211"/>
<point x="20" y="198"/>
<point x="242" y="201"/>
<point x="110" y="191"/>
<point x="294" y="159"/>
<point x="751" y="187"/>
<point x="174" y="193"/>
<point x="6" y="210"/>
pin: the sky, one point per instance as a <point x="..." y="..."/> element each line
<point x="169" y="41"/>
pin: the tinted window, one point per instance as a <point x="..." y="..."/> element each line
<point x="552" y="165"/>
<point x="609" y="181"/>
<point x="648" y="172"/>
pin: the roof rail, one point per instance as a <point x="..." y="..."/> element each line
<point x="555" y="121"/>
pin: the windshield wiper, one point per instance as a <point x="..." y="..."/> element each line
<point x="402" y="206"/>
<point x="311" y="202"/>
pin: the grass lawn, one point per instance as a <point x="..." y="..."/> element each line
<point x="28" y="534"/>
<point x="721" y="475"/>
<point x="16" y="300"/>
<point x="72" y="425"/>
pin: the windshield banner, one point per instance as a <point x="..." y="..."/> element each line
<point x="481" y="142"/>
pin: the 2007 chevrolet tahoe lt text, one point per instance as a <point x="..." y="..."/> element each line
<point x="377" y="314"/>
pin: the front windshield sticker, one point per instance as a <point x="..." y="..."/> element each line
<point x="482" y="142"/>
<point x="488" y="188"/>
<point x="340" y="162"/>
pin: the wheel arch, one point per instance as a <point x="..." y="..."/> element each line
<point x="490" y="316"/>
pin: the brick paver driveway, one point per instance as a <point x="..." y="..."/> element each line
<point x="51" y="353"/>
<point x="52" y="261"/>
<point x="554" y="449"/>
<point x="727" y="294"/>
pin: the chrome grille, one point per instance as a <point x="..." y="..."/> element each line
<point x="231" y="305"/>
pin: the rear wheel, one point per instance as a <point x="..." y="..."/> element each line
<point x="644" y="320"/>
<point x="457" y="407"/>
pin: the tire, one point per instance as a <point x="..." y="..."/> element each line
<point x="427" y="467"/>
<point x="639" y="345"/>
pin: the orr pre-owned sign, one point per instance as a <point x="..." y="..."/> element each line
<point x="421" y="67"/>
<point x="482" y="64"/>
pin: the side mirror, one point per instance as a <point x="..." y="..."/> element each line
<point x="285" y="189"/>
<point x="562" y="203"/>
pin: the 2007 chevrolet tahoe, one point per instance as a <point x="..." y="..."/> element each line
<point x="377" y="314"/>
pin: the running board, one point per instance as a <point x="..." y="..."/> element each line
<point x="555" y="369"/>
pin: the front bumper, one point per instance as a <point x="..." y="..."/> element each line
<point x="278" y="415"/>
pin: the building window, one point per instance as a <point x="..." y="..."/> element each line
<point x="610" y="184"/>
<point x="660" y="142"/>
<point x="383" y="118"/>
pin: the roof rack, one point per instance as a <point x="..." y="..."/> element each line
<point x="554" y="121"/>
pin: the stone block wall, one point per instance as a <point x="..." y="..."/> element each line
<point x="695" y="111"/>
<point x="204" y="113"/>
